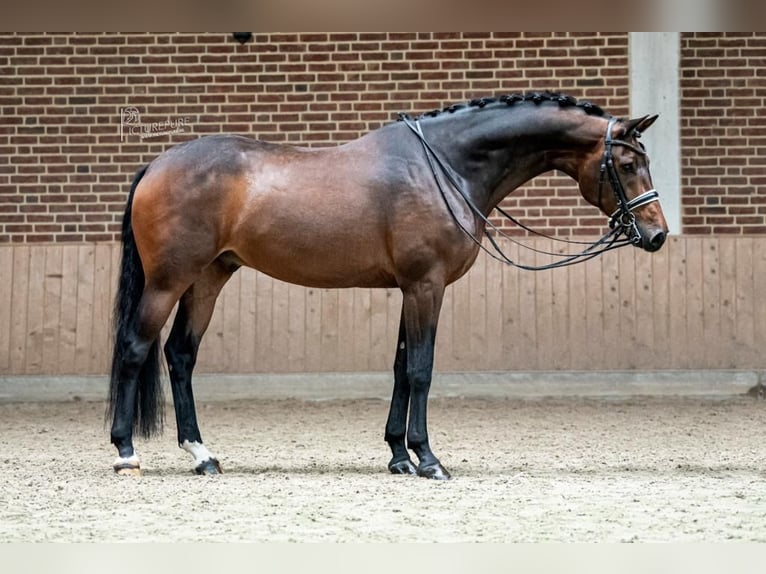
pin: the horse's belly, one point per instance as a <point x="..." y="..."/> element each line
<point x="321" y="263"/>
<point x="326" y="238"/>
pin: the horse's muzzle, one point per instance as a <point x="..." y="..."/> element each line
<point x="653" y="240"/>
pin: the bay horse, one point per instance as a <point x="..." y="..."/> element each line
<point x="403" y="206"/>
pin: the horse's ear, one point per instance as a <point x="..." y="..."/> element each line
<point x="640" y="124"/>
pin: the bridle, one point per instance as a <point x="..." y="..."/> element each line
<point x="623" y="217"/>
<point x="621" y="223"/>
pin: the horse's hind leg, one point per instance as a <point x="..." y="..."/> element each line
<point x="396" y="426"/>
<point x="192" y="319"/>
<point x="137" y="397"/>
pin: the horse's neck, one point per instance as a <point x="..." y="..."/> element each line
<point x="496" y="151"/>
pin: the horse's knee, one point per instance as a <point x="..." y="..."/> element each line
<point x="420" y="380"/>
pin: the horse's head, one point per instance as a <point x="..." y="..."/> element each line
<point x="615" y="178"/>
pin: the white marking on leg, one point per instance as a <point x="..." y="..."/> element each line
<point x="198" y="450"/>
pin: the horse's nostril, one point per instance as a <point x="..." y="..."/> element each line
<point x="656" y="241"/>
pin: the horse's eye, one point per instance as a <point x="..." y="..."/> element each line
<point x="628" y="167"/>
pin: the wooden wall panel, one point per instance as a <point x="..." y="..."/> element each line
<point x="18" y="315"/>
<point x="697" y="304"/>
<point x="53" y="281"/>
<point x="6" y="299"/>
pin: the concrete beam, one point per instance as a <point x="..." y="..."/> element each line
<point x="655" y="89"/>
<point x="374" y="385"/>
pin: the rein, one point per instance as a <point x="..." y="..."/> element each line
<point x="621" y="222"/>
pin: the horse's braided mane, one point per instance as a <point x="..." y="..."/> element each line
<point x="563" y="100"/>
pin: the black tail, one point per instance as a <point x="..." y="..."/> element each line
<point x="149" y="411"/>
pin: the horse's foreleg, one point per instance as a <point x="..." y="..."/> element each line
<point x="396" y="426"/>
<point x="191" y="322"/>
<point x="421" y="307"/>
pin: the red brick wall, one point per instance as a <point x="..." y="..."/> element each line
<point x="64" y="170"/>
<point x="723" y="133"/>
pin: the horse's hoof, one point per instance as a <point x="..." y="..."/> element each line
<point x="402" y="467"/>
<point x="435" y="471"/>
<point x="127" y="466"/>
<point x="210" y="466"/>
<point x="127" y="470"/>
